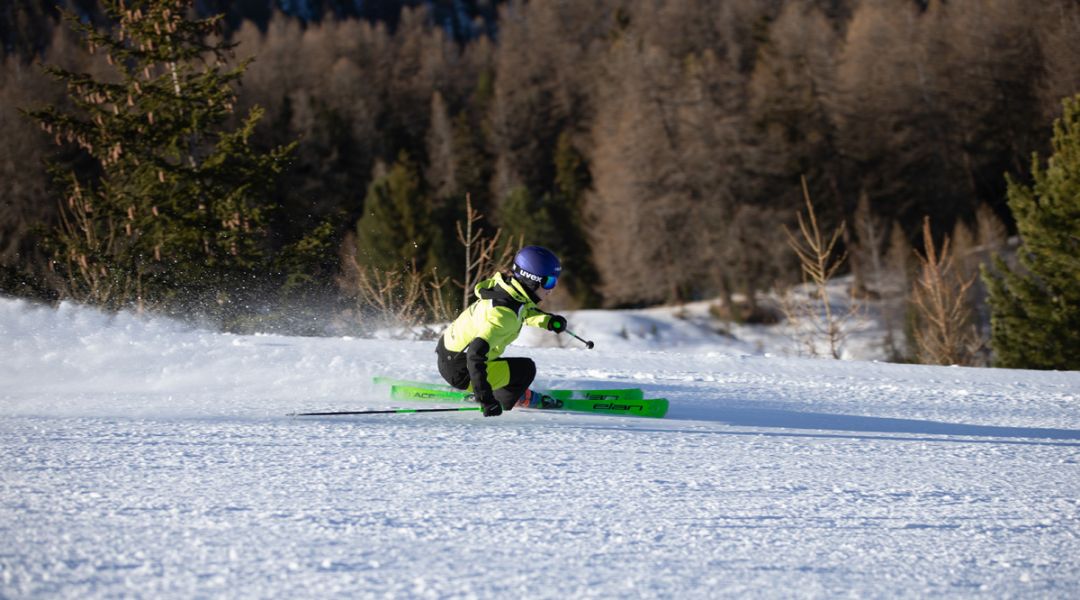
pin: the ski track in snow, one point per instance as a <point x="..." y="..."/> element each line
<point x="146" y="458"/>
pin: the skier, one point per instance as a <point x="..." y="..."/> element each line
<point x="470" y="348"/>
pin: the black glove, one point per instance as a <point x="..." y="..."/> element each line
<point x="490" y="405"/>
<point x="557" y="323"/>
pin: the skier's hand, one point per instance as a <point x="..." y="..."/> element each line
<point x="557" y="323"/>
<point x="490" y="405"/>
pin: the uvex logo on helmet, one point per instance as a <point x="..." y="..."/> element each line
<point x="529" y="275"/>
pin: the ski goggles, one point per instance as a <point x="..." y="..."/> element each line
<point x="549" y="282"/>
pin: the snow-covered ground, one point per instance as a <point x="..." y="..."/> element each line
<point x="141" y="457"/>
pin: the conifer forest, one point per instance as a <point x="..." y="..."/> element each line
<point x="273" y="165"/>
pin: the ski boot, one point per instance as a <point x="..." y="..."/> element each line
<point x="534" y="399"/>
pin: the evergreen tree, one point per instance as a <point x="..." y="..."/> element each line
<point x="1035" y="318"/>
<point x="396" y="229"/>
<point x="572" y="179"/>
<point x="175" y="212"/>
<point x="473" y="163"/>
<point x="527" y="219"/>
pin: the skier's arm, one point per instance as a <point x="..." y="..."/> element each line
<point x="476" y="361"/>
<point x="534" y="317"/>
<point x="543" y="320"/>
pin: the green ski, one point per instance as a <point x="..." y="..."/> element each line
<point x="597" y="402"/>
<point x="608" y="395"/>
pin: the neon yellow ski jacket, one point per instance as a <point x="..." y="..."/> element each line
<point x="503" y="307"/>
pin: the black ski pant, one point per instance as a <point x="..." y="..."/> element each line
<point x="455" y="370"/>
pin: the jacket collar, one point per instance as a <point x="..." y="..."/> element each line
<point x="505" y="288"/>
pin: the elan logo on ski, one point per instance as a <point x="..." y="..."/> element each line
<point x="617" y="407"/>
<point x="602" y="396"/>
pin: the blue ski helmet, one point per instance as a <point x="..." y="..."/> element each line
<point x="536" y="266"/>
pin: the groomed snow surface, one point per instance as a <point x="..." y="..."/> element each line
<point x="142" y="457"/>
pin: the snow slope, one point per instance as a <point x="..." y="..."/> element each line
<point x="142" y="457"/>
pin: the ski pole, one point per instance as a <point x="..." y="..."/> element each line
<point x="588" y="343"/>
<point x="383" y="412"/>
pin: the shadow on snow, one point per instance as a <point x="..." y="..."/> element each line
<point x="791" y="419"/>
